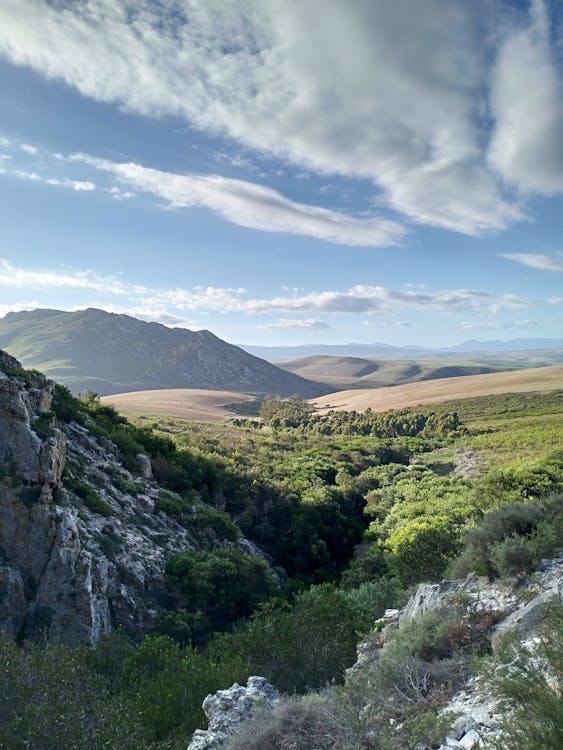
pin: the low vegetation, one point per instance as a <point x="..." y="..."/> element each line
<point x="352" y="510"/>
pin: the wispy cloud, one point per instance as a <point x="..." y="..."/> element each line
<point x="541" y="262"/>
<point x="22" y="278"/>
<point x="251" y="205"/>
<point x="357" y="299"/>
<point x="151" y="315"/>
<point x="18" y="307"/>
<point x="469" y="102"/>
<point x="497" y="325"/>
<point x="33" y="176"/>
<point x="310" y="324"/>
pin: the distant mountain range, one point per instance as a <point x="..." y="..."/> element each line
<point x="108" y="353"/>
<point x="387" y="351"/>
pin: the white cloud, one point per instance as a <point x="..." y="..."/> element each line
<point x="23" y="174"/>
<point x="326" y="85"/>
<point x="19" y="307"/>
<point x="28" y="149"/>
<point x="151" y="315"/>
<point x="497" y="325"/>
<point x="527" y="105"/>
<point x="533" y="260"/>
<point x="311" y="324"/>
<point x="357" y="299"/>
<point x="250" y="205"/>
<point x="21" y="278"/>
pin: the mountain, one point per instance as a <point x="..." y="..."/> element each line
<point x="553" y="349"/>
<point x="108" y="353"/>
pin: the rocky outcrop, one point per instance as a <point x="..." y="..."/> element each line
<point x="228" y="710"/>
<point x="83" y="546"/>
<point x="519" y="608"/>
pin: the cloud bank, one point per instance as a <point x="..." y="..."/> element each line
<point x="360" y="298"/>
<point x="452" y="125"/>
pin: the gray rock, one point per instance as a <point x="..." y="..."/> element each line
<point x="470" y="740"/>
<point x="144" y="464"/>
<point x="525" y="619"/>
<point x="228" y="710"/>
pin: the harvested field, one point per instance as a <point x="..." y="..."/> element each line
<point x="186" y="403"/>
<point x="445" y="389"/>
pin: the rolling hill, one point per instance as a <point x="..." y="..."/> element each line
<point x="550" y="351"/>
<point x="108" y="353"/>
<point x="447" y="389"/>
<point x="359" y="372"/>
<point x="186" y="403"/>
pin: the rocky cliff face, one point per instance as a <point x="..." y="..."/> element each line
<point x="82" y="548"/>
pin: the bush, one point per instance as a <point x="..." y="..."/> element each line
<point x="166" y="685"/>
<point x="527" y="681"/>
<point x="512" y="538"/>
<point x="313" y="722"/>
<point x="52" y="699"/>
<point x="89" y="497"/>
<point x="300" y="647"/>
<point x="222" y="586"/>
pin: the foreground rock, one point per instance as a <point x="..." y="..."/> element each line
<point x="228" y="710"/>
<point x="83" y="546"/>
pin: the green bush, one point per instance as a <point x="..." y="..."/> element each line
<point x="166" y="686"/>
<point x="512" y="538"/>
<point x="44" y="425"/>
<point x="52" y="699"/>
<point x="223" y="585"/>
<point x="300" y="647"/>
<point x="528" y="680"/>
<point x="89" y="497"/>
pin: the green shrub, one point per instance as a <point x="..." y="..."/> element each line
<point x="51" y="699"/>
<point x="300" y="647"/>
<point x="166" y="686"/>
<point x="89" y="497"/>
<point x="512" y="538"/>
<point x="528" y="680"/>
<point x="44" y="424"/>
<point x="223" y="585"/>
<point x="66" y="407"/>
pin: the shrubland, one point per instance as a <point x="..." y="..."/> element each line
<point x="351" y="510"/>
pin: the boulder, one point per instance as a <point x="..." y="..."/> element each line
<point x="228" y="710"/>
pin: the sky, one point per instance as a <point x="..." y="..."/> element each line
<point x="285" y="172"/>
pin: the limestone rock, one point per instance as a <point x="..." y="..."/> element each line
<point x="67" y="571"/>
<point x="144" y="464"/>
<point x="227" y="710"/>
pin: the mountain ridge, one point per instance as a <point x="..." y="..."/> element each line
<point x="115" y="353"/>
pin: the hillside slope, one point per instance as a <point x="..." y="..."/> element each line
<point x="108" y="353"/>
<point x="359" y="372"/>
<point x="446" y="389"/>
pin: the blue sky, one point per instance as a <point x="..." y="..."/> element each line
<point x="286" y="173"/>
